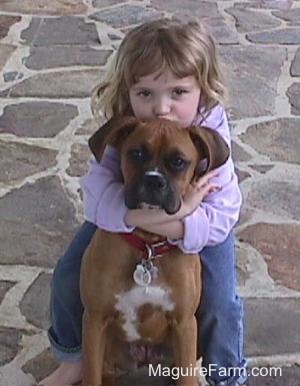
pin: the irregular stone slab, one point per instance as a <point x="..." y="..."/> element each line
<point x="282" y="36"/>
<point x="106" y="3"/>
<point x="242" y="175"/>
<point x="64" y="30"/>
<point x="278" y="139"/>
<point x="293" y="92"/>
<point x="242" y="265"/>
<point x="266" y="320"/>
<point x="66" y="84"/>
<point x="239" y="154"/>
<point x="37" y="7"/>
<point x="292" y="16"/>
<point x="6" y="22"/>
<point x="80" y="154"/>
<point x="125" y="15"/>
<point x="6" y="50"/>
<point x="208" y="13"/>
<point x="263" y="169"/>
<point x="37" y="223"/>
<point x="62" y="56"/>
<point x="10" y="340"/>
<point x="18" y="161"/>
<point x="41" y="366"/>
<point x="89" y="127"/>
<point x="256" y="70"/>
<point x="251" y="20"/>
<point x="280" y="198"/>
<point x="279" y="245"/>
<point x="295" y="66"/>
<point x="290" y="377"/>
<point x="266" y="4"/>
<point x="5" y="286"/>
<point x="35" y="303"/>
<point x="11" y="76"/>
<point x="36" y="119"/>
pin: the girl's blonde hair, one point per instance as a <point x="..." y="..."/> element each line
<point x="184" y="47"/>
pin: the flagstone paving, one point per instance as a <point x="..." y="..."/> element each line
<point x="52" y="54"/>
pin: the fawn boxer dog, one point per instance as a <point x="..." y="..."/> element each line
<point x="138" y="290"/>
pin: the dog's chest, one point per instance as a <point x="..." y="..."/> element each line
<point x="129" y="303"/>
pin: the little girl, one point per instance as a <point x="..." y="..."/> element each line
<point x="162" y="69"/>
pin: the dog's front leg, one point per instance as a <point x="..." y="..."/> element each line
<point x="184" y="336"/>
<point x="93" y="347"/>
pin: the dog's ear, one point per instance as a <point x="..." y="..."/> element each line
<point x="113" y="133"/>
<point x="212" y="144"/>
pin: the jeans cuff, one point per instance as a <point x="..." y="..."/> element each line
<point x="64" y="354"/>
<point x="237" y="379"/>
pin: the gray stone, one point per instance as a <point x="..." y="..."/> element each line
<point x="18" y="161"/>
<point x="290" y="377"/>
<point x="251" y="20"/>
<point x="35" y="303"/>
<point x="41" y="366"/>
<point x="282" y="36"/>
<point x="80" y="154"/>
<point x="242" y="265"/>
<point x="36" y="119"/>
<point x="280" y="198"/>
<point x="4" y="287"/>
<point x="125" y="15"/>
<point x="63" y="56"/>
<point x="278" y="139"/>
<point x="263" y="169"/>
<point x="37" y="7"/>
<point x="292" y="16"/>
<point x="279" y="245"/>
<point x="89" y="127"/>
<point x="37" y="223"/>
<point x="266" y="320"/>
<point x="6" y="22"/>
<point x="256" y="70"/>
<point x="242" y="175"/>
<point x="266" y="4"/>
<point x="11" y="76"/>
<point x="106" y="3"/>
<point x="207" y="12"/>
<point x="60" y="31"/>
<point x="239" y="154"/>
<point x="6" y="50"/>
<point x="295" y="66"/>
<point x="293" y="92"/>
<point x="65" y="84"/>
<point x="10" y="344"/>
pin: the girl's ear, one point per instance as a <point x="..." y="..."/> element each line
<point x="212" y="144"/>
<point x="113" y="133"/>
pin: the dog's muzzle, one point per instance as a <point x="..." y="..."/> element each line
<point x="154" y="189"/>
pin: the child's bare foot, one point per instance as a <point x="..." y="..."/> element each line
<point x="67" y="374"/>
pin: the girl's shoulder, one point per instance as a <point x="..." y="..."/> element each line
<point x="212" y="118"/>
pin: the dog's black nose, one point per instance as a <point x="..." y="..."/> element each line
<point x="154" y="182"/>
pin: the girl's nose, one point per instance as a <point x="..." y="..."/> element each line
<point x="161" y="107"/>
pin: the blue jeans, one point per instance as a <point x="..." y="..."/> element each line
<point x="219" y="316"/>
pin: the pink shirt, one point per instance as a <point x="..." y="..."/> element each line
<point x="208" y="225"/>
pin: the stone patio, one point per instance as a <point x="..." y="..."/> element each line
<point x="51" y="56"/>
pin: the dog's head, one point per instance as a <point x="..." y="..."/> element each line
<point x="159" y="158"/>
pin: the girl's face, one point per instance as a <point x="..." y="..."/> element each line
<point x="166" y="96"/>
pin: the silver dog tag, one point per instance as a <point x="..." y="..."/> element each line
<point x="142" y="276"/>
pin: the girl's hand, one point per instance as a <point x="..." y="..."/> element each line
<point x="197" y="191"/>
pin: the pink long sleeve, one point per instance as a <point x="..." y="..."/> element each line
<point x="103" y="193"/>
<point x="213" y="220"/>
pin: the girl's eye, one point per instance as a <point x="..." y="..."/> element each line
<point x="179" y="91"/>
<point x="144" y="93"/>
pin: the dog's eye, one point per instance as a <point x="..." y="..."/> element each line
<point x="137" y="154"/>
<point x="177" y="163"/>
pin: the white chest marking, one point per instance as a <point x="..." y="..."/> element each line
<point x="129" y="302"/>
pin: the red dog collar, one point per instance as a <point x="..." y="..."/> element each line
<point x="150" y="251"/>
